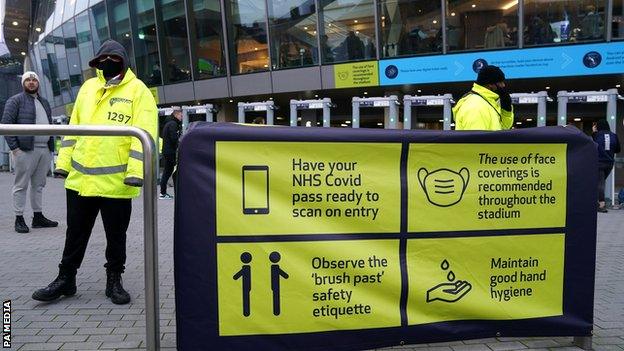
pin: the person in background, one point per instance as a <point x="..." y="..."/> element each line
<point x="170" y="135"/>
<point x="488" y="105"/>
<point x="31" y="154"/>
<point x="103" y="173"/>
<point x="608" y="146"/>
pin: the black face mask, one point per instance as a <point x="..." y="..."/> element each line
<point x="110" y="68"/>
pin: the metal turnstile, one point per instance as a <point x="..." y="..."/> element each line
<point x="390" y="104"/>
<point x="307" y="105"/>
<point x="264" y="106"/>
<point x="540" y="99"/>
<point x="207" y="109"/>
<point x="609" y="97"/>
<point x="445" y="101"/>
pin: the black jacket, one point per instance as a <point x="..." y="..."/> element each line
<point x="608" y="146"/>
<point x="170" y="136"/>
<point x="20" y="109"/>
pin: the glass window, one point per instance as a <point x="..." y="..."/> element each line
<point x="43" y="13"/>
<point x="85" y="44"/>
<point x="45" y="77"/>
<point x="618" y="20"/>
<point x="120" y="24"/>
<point x="348" y="30"/>
<point x="73" y="58"/>
<point x="68" y="12"/>
<point x="99" y="25"/>
<point x="172" y="20"/>
<point x="49" y="17"/>
<point x="569" y="21"/>
<point x="208" y="44"/>
<point x="57" y="99"/>
<point x="63" y="70"/>
<point x="247" y="36"/>
<point x="58" y="13"/>
<point x="410" y="27"/>
<point x="146" y="42"/>
<point x="481" y="25"/>
<point x="81" y="5"/>
<point x="293" y="33"/>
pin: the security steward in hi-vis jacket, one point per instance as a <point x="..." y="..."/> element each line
<point x="103" y="173"/>
<point x="487" y="106"/>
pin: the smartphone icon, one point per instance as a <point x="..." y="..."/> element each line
<point x="255" y="190"/>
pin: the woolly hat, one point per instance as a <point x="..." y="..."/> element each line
<point x="490" y="75"/>
<point x="29" y="74"/>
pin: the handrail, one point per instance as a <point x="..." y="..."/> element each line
<point x="150" y="224"/>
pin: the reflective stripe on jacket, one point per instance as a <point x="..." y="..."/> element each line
<point x="474" y="112"/>
<point x="98" y="166"/>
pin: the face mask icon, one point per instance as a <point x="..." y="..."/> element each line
<point x="444" y="187"/>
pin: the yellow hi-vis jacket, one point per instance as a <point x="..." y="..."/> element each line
<point x="104" y="165"/>
<point x="481" y="110"/>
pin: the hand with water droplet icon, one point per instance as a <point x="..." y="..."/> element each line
<point x="449" y="292"/>
<point x="452" y="291"/>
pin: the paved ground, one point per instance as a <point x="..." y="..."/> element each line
<point x="89" y="321"/>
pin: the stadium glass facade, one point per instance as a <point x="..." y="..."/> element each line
<point x="198" y="50"/>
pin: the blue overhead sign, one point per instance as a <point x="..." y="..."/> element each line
<point x="560" y="61"/>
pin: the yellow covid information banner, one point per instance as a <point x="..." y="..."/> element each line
<point x="298" y="287"/>
<point x="489" y="278"/>
<point x="486" y="186"/>
<point x="330" y="191"/>
<point x="273" y="188"/>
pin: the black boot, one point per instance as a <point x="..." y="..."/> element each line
<point x="39" y="221"/>
<point x="115" y="290"/>
<point x="64" y="284"/>
<point x="20" y="225"/>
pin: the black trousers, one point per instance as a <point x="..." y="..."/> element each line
<point x="603" y="173"/>
<point x="169" y="165"/>
<point x="81" y="214"/>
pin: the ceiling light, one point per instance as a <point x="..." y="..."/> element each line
<point x="474" y="5"/>
<point x="271" y="98"/>
<point x="256" y="49"/>
<point x="547" y="88"/>
<point x="577" y="119"/>
<point x="380" y="124"/>
<point x="365" y="93"/>
<point x="314" y="32"/>
<point x="357" y="32"/>
<point x="127" y="35"/>
<point x="16" y="40"/>
<point x="266" y="66"/>
<point x="453" y="14"/>
<point x="420" y="91"/>
<point x="529" y="119"/>
<point x="355" y="21"/>
<point x="343" y="125"/>
<point x="348" y="122"/>
<point x="510" y="4"/>
<point x="617" y="86"/>
<point x="383" y="17"/>
<point x="315" y="96"/>
<point x="518" y="123"/>
<point x="435" y="21"/>
<point x="23" y="53"/>
<point x="305" y="28"/>
<point x="15" y="23"/>
<point x="231" y="101"/>
<point x="280" y="118"/>
<point x="38" y="29"/>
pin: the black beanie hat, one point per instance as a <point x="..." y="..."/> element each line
<point x="490" y="75"/>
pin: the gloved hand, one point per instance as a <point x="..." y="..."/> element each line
<point x="60" y="173"/>
<point x="132" y="181"/>
<point x="505" y="99"/>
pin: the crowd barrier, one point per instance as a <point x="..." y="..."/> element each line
<point x="344" y="239"/>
